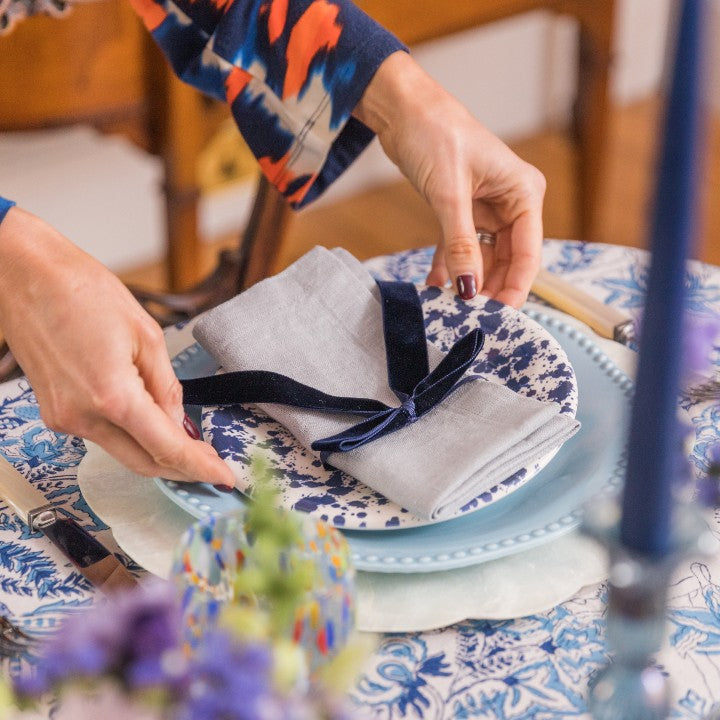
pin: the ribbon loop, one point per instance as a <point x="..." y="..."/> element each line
<point x="418" y="389"/>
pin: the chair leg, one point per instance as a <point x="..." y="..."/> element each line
<point x="170" y="308"/>
<point x="591" y="115"/>
<point x="261" y="242"/>
<point x="253" y="260"/>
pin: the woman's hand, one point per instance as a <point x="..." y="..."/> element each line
<point x="96" y="360"/>
<point x="471" y="179"/>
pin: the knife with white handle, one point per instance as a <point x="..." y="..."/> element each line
<point x="91" y="558"/>
<point x="606" y="321"/>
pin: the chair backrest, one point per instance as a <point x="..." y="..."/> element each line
<point x="415" y="21"/>
<point x="98" y="65"/>
<point x="85" y="67"/>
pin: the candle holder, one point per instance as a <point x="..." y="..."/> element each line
<point x="631" y="686"/>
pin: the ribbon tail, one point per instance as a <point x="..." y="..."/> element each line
<point x="364" y="432"/>
<point x="404" y="333"/>
<point x="407" y="368"/>
<point x="262" y="386"/>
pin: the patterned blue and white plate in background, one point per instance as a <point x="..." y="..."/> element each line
<point x="517" y="352"/>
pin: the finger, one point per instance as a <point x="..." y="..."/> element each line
<point x="156" y="371"/>
<point x="167" y="442"/>
<point x="495" y="280"/>
<point x="438" y="274"/>
<point x="525" y="252"/>
<point x="127" y="451"/>
<point x="462" y="255"/>
<point x="495" y="277"/>
<point x="163" y="386"/>
<point x="488" y="259"/>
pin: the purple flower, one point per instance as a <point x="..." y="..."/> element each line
<point x="126" y="638"/>
<point x="701" y="335"/>
<point x="152" y="624"/>
<point x="80" y="649"/>
<point x="32" y="684"/>
<point x="708" y="493"/>
<point x="708" y="485"/>
<point x="231" y="680"/>
<point x="715" y="459"/>
<point x="134" y="641"/>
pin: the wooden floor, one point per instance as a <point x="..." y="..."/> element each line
<point x="392" y="218"/>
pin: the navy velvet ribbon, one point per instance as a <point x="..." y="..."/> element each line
<point x="409" y="376"/>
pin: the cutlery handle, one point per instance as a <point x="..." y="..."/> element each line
<point x="603" y="319"/>
<point x="18" y="492"/>
<point x="92" y="559"/>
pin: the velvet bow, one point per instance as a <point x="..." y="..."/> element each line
<point x="409" y="376"/>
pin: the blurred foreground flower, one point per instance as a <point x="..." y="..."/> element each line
<point x="708" y="489"/>
<point x="124" y="659"/>
<point x="129" y="658"/>
<point x="701" y="346"/>
<point x="126" y="639"/>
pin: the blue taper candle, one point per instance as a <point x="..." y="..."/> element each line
<point x="654" y="433"/>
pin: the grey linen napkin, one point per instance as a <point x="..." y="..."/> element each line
<point x="320" y="322"/>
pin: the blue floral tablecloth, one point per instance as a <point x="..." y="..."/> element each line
<point x="533" y="667"/>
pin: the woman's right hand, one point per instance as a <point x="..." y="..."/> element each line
<point x="95" y="359"/>
<point x="471" y="179"/>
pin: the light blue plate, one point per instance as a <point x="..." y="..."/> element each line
<point x="590" y="463"/>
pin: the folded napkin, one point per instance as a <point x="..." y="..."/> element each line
<point x="320" y="323"/>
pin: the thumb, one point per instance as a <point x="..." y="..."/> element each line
<point x="462" y="253"/>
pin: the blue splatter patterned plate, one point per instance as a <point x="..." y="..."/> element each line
<point x="518" y="353"/>
<point x="590" y="463"/>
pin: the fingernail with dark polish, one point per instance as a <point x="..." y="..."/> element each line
<point x="466" y="287"/>
<point x="225" y="488"/>
<point x="191" y="428"/>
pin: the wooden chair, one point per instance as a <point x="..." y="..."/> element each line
<point x="100" y="66"/>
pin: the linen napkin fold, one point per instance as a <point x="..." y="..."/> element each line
<point x="320" y="323"/>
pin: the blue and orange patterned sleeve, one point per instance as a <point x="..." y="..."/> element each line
<point x="5" y="206"/>
<point x="291" y="70"/>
